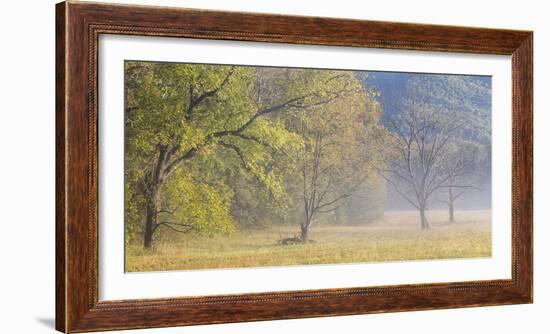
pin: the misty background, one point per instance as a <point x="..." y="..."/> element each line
<point x="392" y="86"/>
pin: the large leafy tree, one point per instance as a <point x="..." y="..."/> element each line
<point x="180" y="118"/>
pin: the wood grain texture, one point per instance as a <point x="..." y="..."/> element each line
<point x="78" y="27"/>
<point x="60" y="180"/>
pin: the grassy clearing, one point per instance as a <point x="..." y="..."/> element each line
<point x="395" y="238"/>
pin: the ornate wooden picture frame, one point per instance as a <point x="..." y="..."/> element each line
<point x="78" y="27"/>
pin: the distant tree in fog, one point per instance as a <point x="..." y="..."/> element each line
<point x="462" y="166"/>
<point x="437" y="138"/>
<point x="419" y="153"/>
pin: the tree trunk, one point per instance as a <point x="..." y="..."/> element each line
<point x="305" y="233"/>
<point x="152" y="209"/>
<point x="451" y="206"/>
<point x="423" y="220"/>
<point x="305" y="228"/>
<point x="152" y="206"/>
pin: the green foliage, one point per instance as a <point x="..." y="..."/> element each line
<point x="202" y="205"/>
<point x="158" y="113"/>
<point x="158" y="100"/>
<point x="133" y="204"/>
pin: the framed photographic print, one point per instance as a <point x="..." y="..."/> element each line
<point x="222" y="167"/>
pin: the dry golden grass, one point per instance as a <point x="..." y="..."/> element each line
<point x="395" y="238"/>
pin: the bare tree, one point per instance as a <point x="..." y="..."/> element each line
<point x="462" y="163"/>
<point x="418" y="155"/>
<point x="327" y="183"/>
<point x="336" y="159"/>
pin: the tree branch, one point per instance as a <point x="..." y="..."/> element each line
<point x="195" y="101"/>
<point x="333" y="201"/>
<point x="172" y="226"/>
<point x="296" y="102"/>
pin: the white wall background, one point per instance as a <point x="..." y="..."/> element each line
<point x="27" y="146"/>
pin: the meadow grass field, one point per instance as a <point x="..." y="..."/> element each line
<point x="396" y="237"/>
